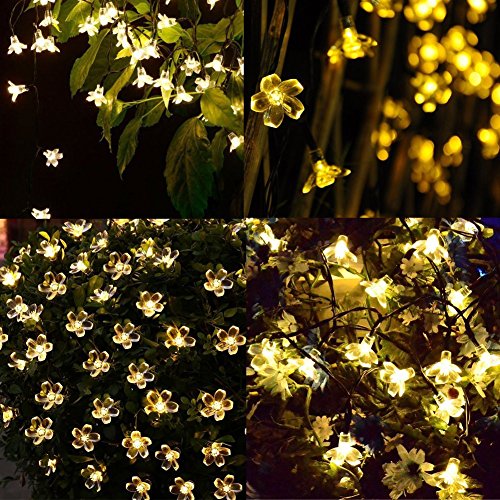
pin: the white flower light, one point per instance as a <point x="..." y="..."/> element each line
<point x="164" y="81"/>
<point x="49" y="20"/>
<point x="166" y="22"/>
<point x="378" y="289"/>
<point x="53" y="157"/>
<point x="143" y="78"/>
<point x="191" y="65"/>
<point x="90" y="26"/>
<point x="344" y="452"/>
<point x="396" y="378"/>
<point x="182" y="95"/>
<point x="97" y="96"/>
<point x="216" y="64"/>
<point x="235" y="140"/>
<point x="108" y="14"/>
<point x="16" y="90"/>
<point x="41" y="214"/>
<point x="202" y="84"/>
<point x="339" y="253"/>
<point x="212" y="3"/>
<point x="431" y="247"/>
<point x="43" y="2"/>
<point x="444" y="370"/>
<point x="16" y="47"/>
<point x="41" y="43"/>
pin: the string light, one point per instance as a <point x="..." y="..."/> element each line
<point x="351" y="44"/>
<point x="339" y="252"/>
<point x="16" y="90"/>
<point x="344" y="452"/>
<point x="323" y="174"/>
<point x="378" y="289"/>
<point x="444" y="371"/>
<point x="396" y="378"/>
<point x="277" y="98"/>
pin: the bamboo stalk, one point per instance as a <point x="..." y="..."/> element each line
<point x="364" y="150"/>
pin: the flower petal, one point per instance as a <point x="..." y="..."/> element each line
<point x="292" y="107"/>
<point x="273" y="117"/>
<point x="291" y="87"/>
<point x="270" y="82"/>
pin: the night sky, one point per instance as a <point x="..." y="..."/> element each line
<point x="86" y="183"/>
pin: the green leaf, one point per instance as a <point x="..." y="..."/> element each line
<point x="219" y="144"/>
<point x="110" y="111"/>
<point x="172" y="33"/>
<point x="189" y="169"/>
<point x="82" y="65"/>
<point x="79" y="296"/>
<point x="128" y="144"/>
<point x="190" y="9"/>
<point x="141" y="6"/>
<point x="153" y="113"/>
<point x="71" y="14"/>
<point x="216" y="107"/>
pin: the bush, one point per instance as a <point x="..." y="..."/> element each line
<point x="116" y="326"/>
<point x="374" y="359"/>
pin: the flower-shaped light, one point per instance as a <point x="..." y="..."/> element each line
<point x="136" y="444"/>
<point x="48" y="464"/>
<point x="38" y="348"/>
<point x="99" y="242"/>
<point x="378" y="289"/>
<point x="486" y="360"/>
<point x="215" y="453"/>
<point x="431" y="90"/>
<point x="166" y="258"/>
<point x="76" y="229"/>
<point x="82" y="264"/>
<point x="450" y="402"/>
<point x="432" y="246"/>
<point x="277" y="98"/>
<point x="118" y="265"/>
<point x="50" y="395"/>
<point x="16" y="90"/>
<point x="362" y="353"/>
<point x="227" y="489"/>
<point x="424" y="13"/>
<point x="85" y="438"/>
<point x="230" y="341"/>
<point x="139" y="487"/>
<point x="150" y="304"/>
<point x="168" y="457"/>
<point x="17" y="362"/>
<point x="125" y="335"/>
<point x="351" y="44"/>
<point x="10" y="276"/>
<point x="159" y="402"/>
<point x="17" y="308"/>
<point x="49" y="249"/>
<point x="53" y="285"/>
<point x="344" y="452"/>
<point x="386" y="9"/>
<point x="216" y="405"/>
<point x="102" y="295"/>
<point x="8" y="414"/>
<point x="3" y="337"/>
<point x="183" y="489"/>
<point x="79" y="323"/>
<point x="323" y="174"/>
<point x="105" y="410"/>
<point x="94" y="476"/>
<point x="396" y="378"/>
<point x="140" y="375"/>
<point x="97" y="363"/>
<point x="444" y="371"/>
<point x="179" y="337"/>
<point x="217" y="282"/>
<point x="425" y="53"/>
<point x="39" y="430"/>
<point x="339" y="252"/>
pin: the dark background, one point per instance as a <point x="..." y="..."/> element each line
<point x="86" y="182"/>
<point x="479" y="192"/>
